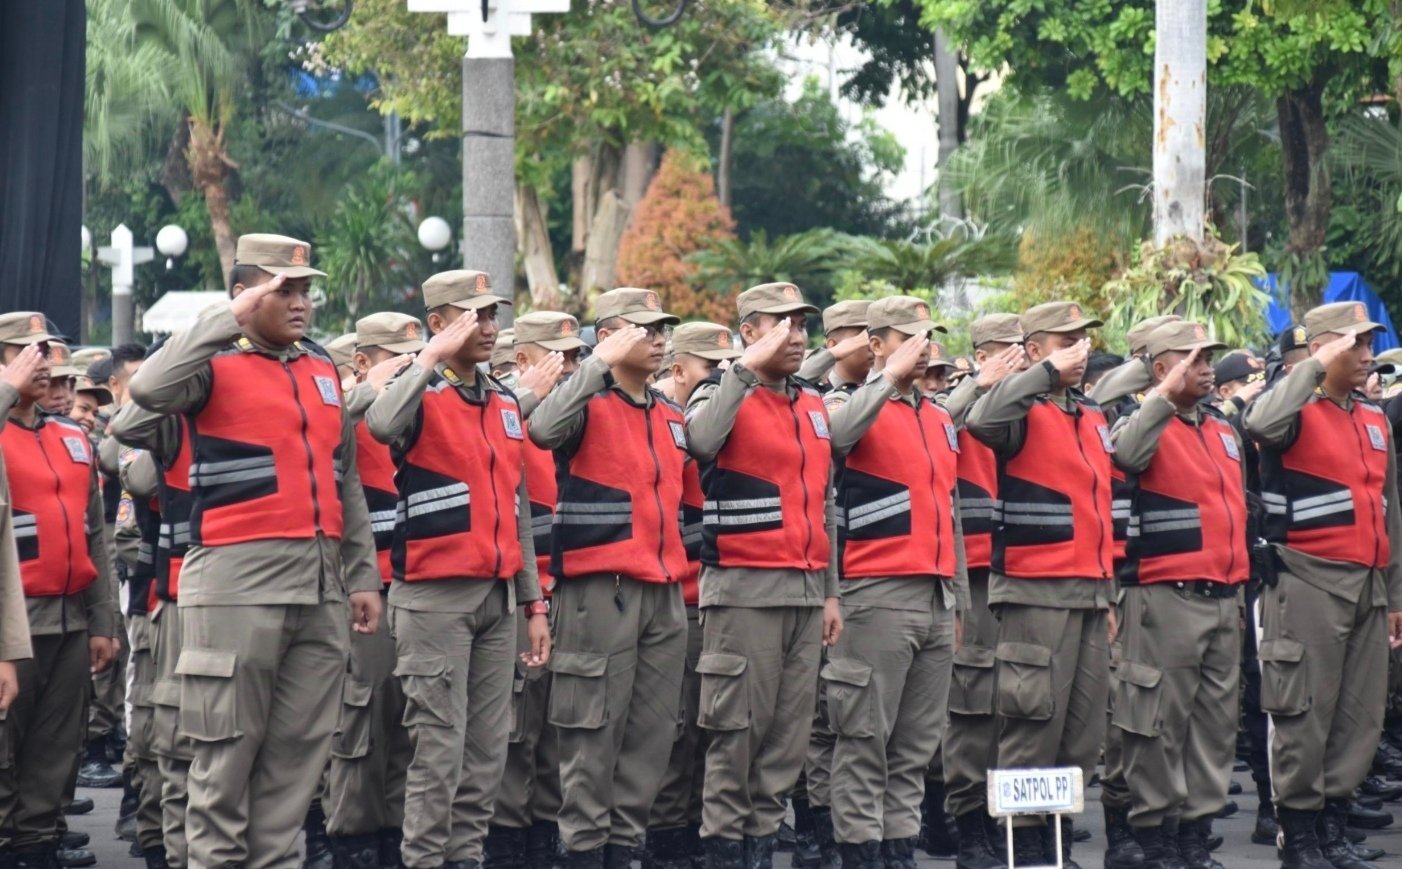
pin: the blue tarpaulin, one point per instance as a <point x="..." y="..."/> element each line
<point x="1343" y="287"/>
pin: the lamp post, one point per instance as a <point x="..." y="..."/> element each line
<point x="122" y="257"/>
<point x="434" y="236"/>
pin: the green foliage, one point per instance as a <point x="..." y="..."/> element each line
<point x="1365" y="231"/>
<point x="808" y="259"/>
<point x="908" y="266"/>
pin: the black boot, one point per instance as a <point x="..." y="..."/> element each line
<point x="1121" y="849"/>
<point x="975" y="851"/>
<point x="1027" y="845"/>
<point x="723" y="853"/>
<point x="80" y="806"/>
<point x="504" y="848"/>
<point x="867" y="855"/>
<point x="126" y="811"/>
<point x="587" y="859"/>
<point x="155" y="858"/>
<point x="1301" y="848"/>
<point x="1365" y="818"/>
<point x="1332" y="844"/>
<point x="35" y="857"/>
<point x="543" y="847"/>
<point x="75" y="858"/>
<point x="1266" y="831"/>
<point x="759" y="851"/>
<point x="73" y="839"/>
<point x="898" y="853"/>
<point x="318" y="844"/>
<point x="938" y="838"/>
<point x="668" y="849"/>
<point x="618" y="856"/>
<point x="1160" y="846"/>
<point x="1067" y="840"/>
<point x="827" y="844"/>
<point x="355" y="852"/>
<point x="391" y="843"/>
<point x="95" y="771"/>
<point x="805" y="850"/>
<point x="1192" y="844"/>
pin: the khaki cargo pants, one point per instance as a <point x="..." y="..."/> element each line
<point x="141" y="676"/>
<point x="759" y="678"/>
<point x="970" y="747"/>
<point x="1324" y="684"/>
<point x="41" y="733"/>
<point x="173" y="749"/>
<point x="370" y="751"/>
<point x="678" y="800"/>
<point x="455" y="669"/>
<point x="1052" y="687"/>
<point x="620" y="651"/>
<point x="888" y="689"/>
<point x="1176" y="701"/>
<point x="530" y="787"/>
<point x="260" y="695"/>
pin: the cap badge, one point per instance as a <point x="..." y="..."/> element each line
<point x="791" y="292"/>
<point x="481" y="283"/>
<point x="1199" y="332"/>
<point x="1075" y="313"/>
<point x="299" y="255"/>
<point x="1299" y="334"/>
<point x="1359" y="313"/>
<point x="922" y="312"/>
<point x="566" y="328"/>
<point x="722" y="339"/>
<point x="411" y="331"/>
<point x="650" y="301"/>
<point x="55" y="355"/>
<point x="36" y="324"/>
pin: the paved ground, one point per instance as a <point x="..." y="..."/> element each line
<point x="1237" y="853"/>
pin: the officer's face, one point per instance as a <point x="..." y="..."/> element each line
<point x="791" y="359"/>
<point x="84" y="411"/>
<point x="364" y="360"/>
<point x="59" y="396"/>
<point x="645" y="357"/>
<point x="37" y="390"/>
<point x="934" y="380"/>
<point x="993" y="348"/>
<point x="282" y="317"/>
<point x="687" y="372"/>
<point x="528" y="355"/>
<point x="1351" y="367"/>
<point x="857" y="361"/>
<point x="1199" y="382"/>
<point x="478" y="348"/>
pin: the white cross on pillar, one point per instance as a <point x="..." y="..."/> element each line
<point x="505" y="19"/>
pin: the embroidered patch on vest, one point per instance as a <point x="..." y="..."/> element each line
<point x="820" y="425"/>
<point x="512" y="423"/>
<point x="1229" y="444"/>
<point x="327" y="387"/>
<point x="952" y="436"/>
<point x="1104" y="432"/>
<point x="1375" y="437"/>
<point x="77" y="450"/>
<point x="678" y="434"/>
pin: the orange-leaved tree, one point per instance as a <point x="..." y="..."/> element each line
<point x="678" y="216"/>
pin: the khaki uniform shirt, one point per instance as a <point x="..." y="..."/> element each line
<point x="1273" y="420"/>
<point x="14" y="617"/>
<point x="999" y="419"/>
<point x="1130" y="378"/>
<point x="848" y="424"/>
<point x="394" y="418"/>
<point x="177" y="379"/>
<point x="710" y="415"/>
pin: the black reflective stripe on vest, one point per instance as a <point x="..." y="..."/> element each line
<point x="26" y="534"/>
<point x="977" y="509"/>
<point x="1161" y="526"/>
<point x="588" y="514"/>
<point x="741" y="504"/>
<point x="692" y="525"/>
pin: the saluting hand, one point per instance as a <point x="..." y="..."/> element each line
<point x="1071" y="361"/>
<point x="541" y="377"/>
<point x="247" y="301"/>
<point x="758" y="355"/>
<point x="999" y="366"/>
<point x="849" y="346"/>
<point x="1250" y="390"/>
<point x="1334" y="349"/>
<point x="1177" y="376"/>
<point x="381" y="372"/>
<point x="619" y="343"/>
<point x="365" y="611"/>
<point x="903" y="363"/>
<point x="446" y="344"/>
<point x="21" y="369"/>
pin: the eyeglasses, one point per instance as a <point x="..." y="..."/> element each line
<point x="653" y="330"/>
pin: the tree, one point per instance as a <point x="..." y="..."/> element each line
<point x="1180" y="119"/>
<point x="809" y="259"/>
<point x="679" y="216"/>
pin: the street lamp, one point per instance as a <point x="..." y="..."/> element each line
<point x="434" y="235"/>
<point x="122" y="257"/>
<point x="172" y="242"/>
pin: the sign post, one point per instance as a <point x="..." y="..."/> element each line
<point x="1053" y="792"/>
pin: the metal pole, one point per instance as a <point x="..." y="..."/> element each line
<point x="122" y="279"/>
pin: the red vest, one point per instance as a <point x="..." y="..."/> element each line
<point x="1323" y="494"/>
<point x="51" y="476"/>
<point x="1188" y="509"/>
<point x="1121" y="495"/>
<point x="267" y="450"/>
<point x="978" y="496"/>
<point x="176" y="503"/>
<point x="895" y="494"/>
<point x="1056" y="497"/>
<point x="621" y="493"/>
<point x="457" y="488"/>
<point x="372" y="460"/>
<point x="693" y="503"/>
<point x="766" y="490"/>
<point x="542" y="492"/>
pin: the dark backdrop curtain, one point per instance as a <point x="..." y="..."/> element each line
<point x="42" y="68"/>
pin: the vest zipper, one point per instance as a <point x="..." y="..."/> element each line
<point x="803" y="480"/>
<point x="930" y="463"/>
<point x="1222" y="489"/>
<point x="311" y="461"/>
<point x="1095" y="484"/>
<point x="67" y="525"/>
<point x="657" y="495"/>
<point x="496" y="501"/>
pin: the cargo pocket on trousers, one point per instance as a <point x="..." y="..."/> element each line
<point x="518" y="705"/>
<point x="1137" y="699"/>
<point x="725" y="698"/>
<point x="1024" y="681"/>
<point x="850" y="710"/>
<point x="352" y="738"/>
<point x="428" y="690"/>
<point x="972" y="683"/>
<point x="579" y="690"/>
<point x="1285" y="688"/>
<point x="208" y="696"/>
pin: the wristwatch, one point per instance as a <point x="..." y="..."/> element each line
<point x="538" y="608"/>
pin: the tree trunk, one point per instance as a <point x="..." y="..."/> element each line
<point x="210" y="168"/>
<point x="947" y="93"/>
<point x="639" y="165"/>
<point x="1304" y="140"/>
<point x="534" y="239"/>
<point x="605" y="233"/>
<point x="727" y="157"/>
<point x="580" y="172"/>
<point x="1180" y="119"/>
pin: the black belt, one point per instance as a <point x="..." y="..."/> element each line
<point x="1207" y="588"/>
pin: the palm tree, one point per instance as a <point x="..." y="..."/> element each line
<point x="930" y="265"/>
<point x="800" y="258"/>
<point x="129" y="104"/>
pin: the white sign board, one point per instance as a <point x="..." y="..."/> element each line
<point x="1036" y="791"/>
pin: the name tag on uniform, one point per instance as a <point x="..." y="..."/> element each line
<point x="1375" y="437"/>
<point x="678" y="434"/>
<point x="1104" y="432"/>
<point x="329" y="393"/>
<point x="820" y="424"/>
<point x="952" y="436"/>
<point x="512" y="423"/>
<point x="78" y="450"/>
<point x="1229" y="444"/>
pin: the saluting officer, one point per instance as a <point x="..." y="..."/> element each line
<point x="617" y="556"/>
<point x="463" y="558"/>
<point x="902" y="557"/>
<point x="364" y="797"/>
<point x="845" y="359"/>
<point x="1052" y="557"/>
<point x="1177" y="678"/>
<point x="673" y="836"/>
<point x="1133" y="376"/>
<point x="279" y="539"/>
<point x="1330" y="495"/>
<point x="769" y="592"/>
